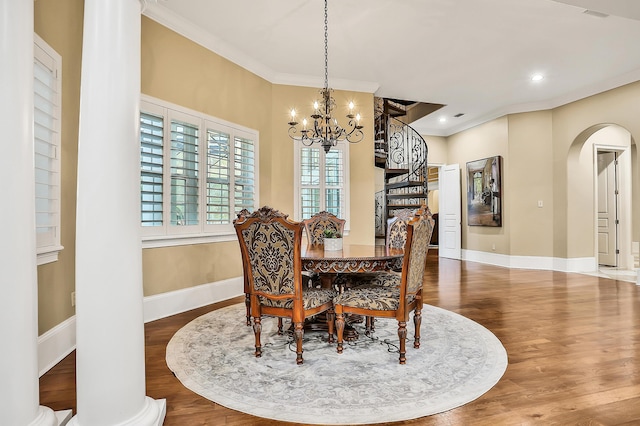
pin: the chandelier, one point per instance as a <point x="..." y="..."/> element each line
<point x="325" y="129"/>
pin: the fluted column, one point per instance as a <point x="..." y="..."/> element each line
<point x="109" y="312"/>
<point x="19" y="394"/>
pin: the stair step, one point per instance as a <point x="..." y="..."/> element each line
<point x="399" y="196"/>
<point x="395" y="172"/>
<point x="403" y="206"/>
<point x="404" y="184"/>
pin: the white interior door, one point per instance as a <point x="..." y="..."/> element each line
<point x="607" y="209"/>
<point x="450" y="226"/>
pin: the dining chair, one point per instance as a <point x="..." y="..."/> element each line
<point x="393" y="301"/>
<point x="270" y="247"/>
<point x="396" y="238"/>
<point x="320" y="222"/>
<point x="315" y="226"/>
<point x="397" y="227"/>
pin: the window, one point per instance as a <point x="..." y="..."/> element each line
<point x="196" y="173"/>
<point x="46" y="142"/>
<point x="321" y="180"/>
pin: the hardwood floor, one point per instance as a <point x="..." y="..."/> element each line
<point x="573" y="343"/>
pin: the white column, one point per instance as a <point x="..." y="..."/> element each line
<point x="19" y="388"/>
<point x="110" y="366"/>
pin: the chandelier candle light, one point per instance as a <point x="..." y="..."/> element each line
<point x="325" y="129"/>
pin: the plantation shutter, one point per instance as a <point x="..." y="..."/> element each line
<point x="46" y="127"/>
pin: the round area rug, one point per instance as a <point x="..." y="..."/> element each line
<point x="458" y="361"/>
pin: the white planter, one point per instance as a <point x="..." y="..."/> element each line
<point x="332" y="244"/>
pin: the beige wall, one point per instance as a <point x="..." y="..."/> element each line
<point x="530" y="180"/>
<point x="572" y="126"/>
<point x="548" y="157"/>
<point x="177" y="70"/>
<point x="483" y="141"/>
<point x="59" y="23"/>
<point x="438" y="149"/>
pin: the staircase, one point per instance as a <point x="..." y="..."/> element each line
<point x="402" y="153"/>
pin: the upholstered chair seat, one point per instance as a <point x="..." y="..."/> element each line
<point x="311" y="298"/>
<point x="372" y="297"/>
<point x="383" y="279"/>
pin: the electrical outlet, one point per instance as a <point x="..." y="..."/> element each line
<point x="73" y="298"/>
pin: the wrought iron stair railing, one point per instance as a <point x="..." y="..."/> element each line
<point x="405" y="153"/>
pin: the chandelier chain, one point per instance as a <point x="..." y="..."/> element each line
<point x="326" y="46"/>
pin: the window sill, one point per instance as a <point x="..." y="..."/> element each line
<point x="183" y="240"/>
<point x="49" y="256"/>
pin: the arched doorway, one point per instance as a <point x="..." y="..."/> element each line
<point x="600" y="167"/>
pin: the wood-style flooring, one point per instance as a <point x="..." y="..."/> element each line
<point x="573" y="343"/>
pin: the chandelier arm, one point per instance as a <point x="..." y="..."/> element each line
<point x="355" y="136"/>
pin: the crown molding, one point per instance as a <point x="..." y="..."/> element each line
<point x="187" y="29"/>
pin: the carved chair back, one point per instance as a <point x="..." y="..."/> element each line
<point x="318" y="223"/>
<point x="270" y="246"/>
<point x="271" y="257"/>
<point x="397" y="227"/>
<point x="419" y="231"/>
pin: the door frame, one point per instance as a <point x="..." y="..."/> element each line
<point x="625" y="257"/>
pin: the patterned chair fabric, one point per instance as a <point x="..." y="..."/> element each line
<point x="318" y="223"/>
<point x="315" y="227"/>
<point x="270" y="247"/>
<point x="396" y="238"/>
<point x="395" y="301"/>
<point x="396" y="232"/>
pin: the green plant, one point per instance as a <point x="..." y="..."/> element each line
<point x="330" y="233"/>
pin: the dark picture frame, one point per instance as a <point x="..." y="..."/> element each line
<point x="484" y="192"/>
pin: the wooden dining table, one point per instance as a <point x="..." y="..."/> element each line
<point x="353" y="258"/>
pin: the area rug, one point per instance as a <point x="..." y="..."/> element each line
<point x="458" y="361"/>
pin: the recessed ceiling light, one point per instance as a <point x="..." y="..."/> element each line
<point x="537" y="77"/>
<point x="443" y="119"/>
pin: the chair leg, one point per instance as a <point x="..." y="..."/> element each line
<point x="257" y="329"/>
<point x="402" y="334"/>
<point x="298" y="333"/>
<point x="247" y="303"/>
<point x="370" y="326"/>
<point x="280" y="326"/>
<point x="417" y="320"/>
<point x="331" y="318"/>
<point x="340" y="328"/>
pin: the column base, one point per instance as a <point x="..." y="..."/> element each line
<point x="46" y="417"/>
<point x="152" y="414"/>
<point x="63" y="417"/>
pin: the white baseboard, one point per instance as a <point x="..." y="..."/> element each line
<point x="581" y="264"/>
<point x="56" y="344"/>
<point x="60" y="341"/>
<point x="174" y="302"/>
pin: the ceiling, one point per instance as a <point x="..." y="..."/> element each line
<point x="474" y="56"/>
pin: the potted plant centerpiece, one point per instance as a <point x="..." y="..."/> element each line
<point x="332" y="240"/>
